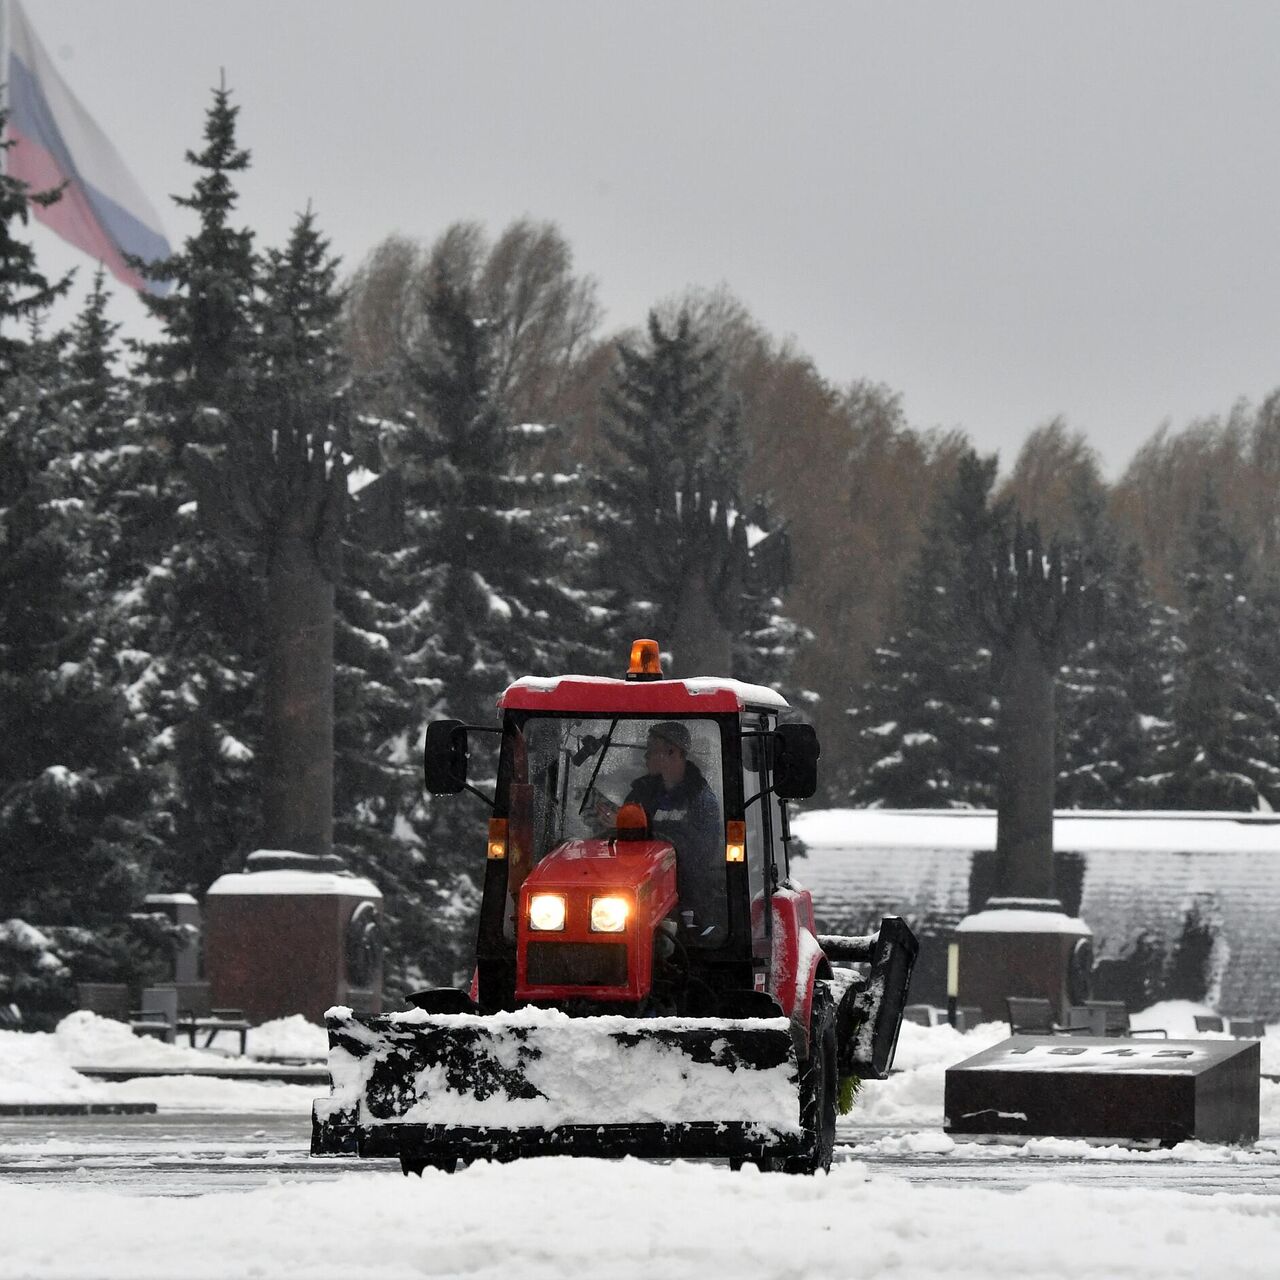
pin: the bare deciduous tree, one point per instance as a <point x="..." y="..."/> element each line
<point x="542" y="317"/>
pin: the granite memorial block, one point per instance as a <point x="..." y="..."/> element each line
<point x="1105" y="1087"/>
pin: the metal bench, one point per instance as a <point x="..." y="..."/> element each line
<point x="1107" y="1018"/>
<point x="923" y="1015"/>
<point x="151" y="1022"/>
<point x="217" y="1020"/>
<point x="1033" y="1016"/>
<point x="1248" y="1028"/>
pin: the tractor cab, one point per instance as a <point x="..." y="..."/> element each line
<point x="639" y="832"/>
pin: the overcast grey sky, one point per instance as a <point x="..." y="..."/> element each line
<point x="1005" y="211"/>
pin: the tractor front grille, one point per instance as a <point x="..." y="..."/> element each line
<point x="577" y="964"/>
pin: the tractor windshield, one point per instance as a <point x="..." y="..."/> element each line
<point x="570" y="775"/>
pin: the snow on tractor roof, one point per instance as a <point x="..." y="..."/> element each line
<point x="697" y="695"/>
<point x="291" y="883"/>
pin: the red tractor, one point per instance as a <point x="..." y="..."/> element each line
<point x="648" y="977"/>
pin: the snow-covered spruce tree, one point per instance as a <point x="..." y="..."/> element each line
<point x="765" y="639"/>
<point x="73" y="796"/>
<point x="109" y="459"/>
<point x="1262" y="653"/>
<point x="682" y="558"/>
<point x="25" y="292"/>
<point x="196" y="604"/>
<point x="926" y="713"/>
<point x="92" y="373"/>
<point x="1223" y="751"/>
<point x="72" y="791"/>
<point x="482" y="581"/>
<point x="1112" y="696"/>
<point x="378" y="716"/>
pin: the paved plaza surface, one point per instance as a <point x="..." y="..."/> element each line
<point x="177" y="1154"/>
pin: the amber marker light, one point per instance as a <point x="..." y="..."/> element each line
<point x="735" y="842"/>
<point x="497" y="838"/>
<point x="646" y="661"/>
<point x="546" y="912"/>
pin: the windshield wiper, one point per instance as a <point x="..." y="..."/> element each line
<point x="595" y="773"/>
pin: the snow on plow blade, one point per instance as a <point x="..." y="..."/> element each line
<point x="537" y="1081"/>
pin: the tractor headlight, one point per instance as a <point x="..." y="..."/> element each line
<point x="609" y="915"/>
<point x="546" y="912"/>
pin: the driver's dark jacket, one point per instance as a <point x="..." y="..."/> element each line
<point x="689" y="816"/>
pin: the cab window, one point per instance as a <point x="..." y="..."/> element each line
<point x="570" y="774"/>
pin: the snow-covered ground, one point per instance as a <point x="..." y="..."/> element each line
<point x="563" y="1218"/>
<point x="41" y="1067"/>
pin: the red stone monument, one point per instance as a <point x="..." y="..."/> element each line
<point x="292" y="934"/>
<point x="1022" y="947"/>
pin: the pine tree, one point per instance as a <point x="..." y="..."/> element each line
<point x="25" y="292"/>
<point x="483" y="582"/>
<point x="195" y="604"/>
<point x="95" y="383"/>
<point x="926" y="714"/>
<point x="71" y="788"/>
<point x="686" y="559"/>
<point x="199" y="372"/>
<point x="1224" y="752"/>
<point x="1262" y="655"/>
<point x="378" y="808"/>
<point x="1112" y="702"/>
<point x="74" y="796"/>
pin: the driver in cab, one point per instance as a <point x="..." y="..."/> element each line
<point x="682" y="808"/>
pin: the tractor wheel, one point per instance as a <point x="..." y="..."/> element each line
<point x="819" y="1087"/>
<point x="409" y="1164"/>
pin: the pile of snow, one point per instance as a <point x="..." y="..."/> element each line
<point x="87" y="1040"/>
<point x="554" y="1219"/>
<point x="91" y="1041"/>
<point x="292" y="1037"/>
<point x="40" y="1067"/>
<point x="34" y="1069"/>
<point x="912" y="1096"/>
<point x="1178" y="1018"/>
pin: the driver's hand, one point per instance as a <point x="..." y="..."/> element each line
<point x="606" y="813"/>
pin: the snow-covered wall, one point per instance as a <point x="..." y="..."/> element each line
<point x="1181" y="905"/>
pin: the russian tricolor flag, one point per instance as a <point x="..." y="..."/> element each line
<point x="102" y="210"/>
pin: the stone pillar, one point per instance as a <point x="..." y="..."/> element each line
<point x="183" y="910"/>
<point x="297" y="766"/>
<point x="1027" y="767"/>
<point x="1023" y="947"/>
<point x="293" y="934"/>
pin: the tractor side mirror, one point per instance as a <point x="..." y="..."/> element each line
<point x="795" y="761"/>
<point x="444" y="758"/>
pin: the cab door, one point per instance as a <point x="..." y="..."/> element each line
<point x="765" y="859"/>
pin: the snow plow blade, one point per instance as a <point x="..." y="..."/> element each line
<point x="439" y="1087"/>
<point x="869" y="1014"/>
